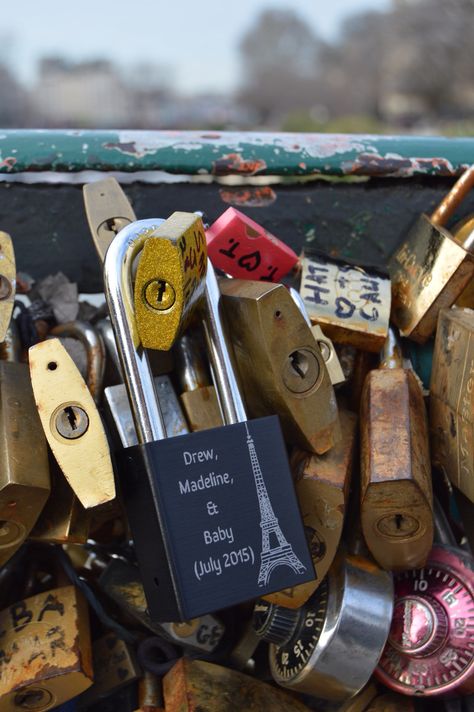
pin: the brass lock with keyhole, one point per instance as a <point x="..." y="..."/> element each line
<point x="280" y="364"/>
<point x="396" y="492"/>
<point x="71" y="423"/>
<point x="432" y="267"/>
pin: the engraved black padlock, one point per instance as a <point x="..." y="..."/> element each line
<point x="213" y="513"/>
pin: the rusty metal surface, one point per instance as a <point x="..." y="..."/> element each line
<point x="224" y="153"/>
<point x="452" y="398"/>
<point x="198" y="686"/>
<point x="45" y="649"/>
<point x="429" y="271"/>
<point x="396" y="494"/>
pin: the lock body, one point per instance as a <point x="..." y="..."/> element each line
<point x="281" y="367"/>
<point x="352" y="305"/>
<point x="63" y="519"/>
<point x="242" y="248"/>
<point x="7" y="282"/>
<point x="46" y="651"/>
<point x="198" y="396"/>
<point x="24" y="473"/>
<point x="429" y="651"/>
<point x="330" y="647"/>
<point x="71" y="423"/>
<point x="193" y="685"/>
<point x="170" y="279"/>
<point x="118" y="407"/>
<point x="429" y="271"/>
<point x="396" y="494"/>
<point x="228" y="527"/>
<point x="322" y="487"/>
<point x="452" y="398"/>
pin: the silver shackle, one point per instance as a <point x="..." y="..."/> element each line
<point x="138" y="378"/>
<point x="222" y="368"/>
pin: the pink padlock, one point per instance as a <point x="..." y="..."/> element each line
<point x="242" y="248"/>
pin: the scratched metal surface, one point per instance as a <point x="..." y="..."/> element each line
<point x="360" y="222"/>
<point x="224" y="153"/>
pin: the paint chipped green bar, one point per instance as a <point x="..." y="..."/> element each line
<point x="227" y="153"/>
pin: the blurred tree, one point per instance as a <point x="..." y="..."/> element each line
<point x="279" y="65"/>
<point x="430" y="53"/>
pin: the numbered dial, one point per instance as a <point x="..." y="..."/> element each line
<point x="430" y="648"/>
<point x="289" y="660"/>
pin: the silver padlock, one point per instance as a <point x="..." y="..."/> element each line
<point x="218" y="505"/>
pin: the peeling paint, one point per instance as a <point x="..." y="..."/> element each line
<point x="241" y="154"/>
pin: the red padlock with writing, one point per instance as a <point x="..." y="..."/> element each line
<point x="242" y="248"/>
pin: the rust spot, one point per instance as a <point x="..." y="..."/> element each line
<point x="250" y="197"/>
<point x="234" y="163"/>
<point x="375" y="165"/>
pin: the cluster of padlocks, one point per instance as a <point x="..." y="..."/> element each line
<point x="194" y="523"/>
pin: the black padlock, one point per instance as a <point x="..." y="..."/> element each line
<point x="213" y="513"/>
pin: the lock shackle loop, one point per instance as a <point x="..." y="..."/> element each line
<point x="391" y="353"/>
<point x="222" y="368"/>
<point x="191" y="368"/>
<point x="299" y="301"/>
<point x="139" y="382"/>
<point x="91" y="339"/>
<point x="454" y="198"/>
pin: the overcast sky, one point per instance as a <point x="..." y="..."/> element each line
<point x="196" y="38"/>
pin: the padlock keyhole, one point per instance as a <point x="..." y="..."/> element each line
<point x="71" y="416"/>
<point x="299" y="363"/>
<point x="161" y="289"/>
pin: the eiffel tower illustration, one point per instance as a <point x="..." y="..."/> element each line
<point x="271" y="556"/>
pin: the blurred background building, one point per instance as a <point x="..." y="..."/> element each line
<point x="391" y="66"/>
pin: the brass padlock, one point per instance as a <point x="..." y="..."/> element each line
<point x="170" y="279"/>
<point x="107" y="210"/>
<point x="63" y="519"/>
<point x="351" y="304"/>
<point x="198" y="396"/>
<point x="322" y="488"/>
<point x="281" y="367"/>
<point x="396" y="493"/>
<point x="45" y="652"/>
<point x="432" y="267"/>
<point x="24" y="472"/>
<point x="71" y="423"/>
<point x="7" y="282"/>
<point x="452" y="398"/>
<point x="193" y="685"/>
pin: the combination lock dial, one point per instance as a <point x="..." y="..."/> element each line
<point x="430" y="648"/>
<point x="351" y="610"/>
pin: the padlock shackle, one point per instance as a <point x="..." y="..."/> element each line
<point x="391" y="353"/>
<point x="90" y="337"/>
<point x="454" y="198"/>
<point x="223" y="372"/>
<point x="299" y="301"/>
<point x="191" y="369"/>
<point x="139" y="382"/>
